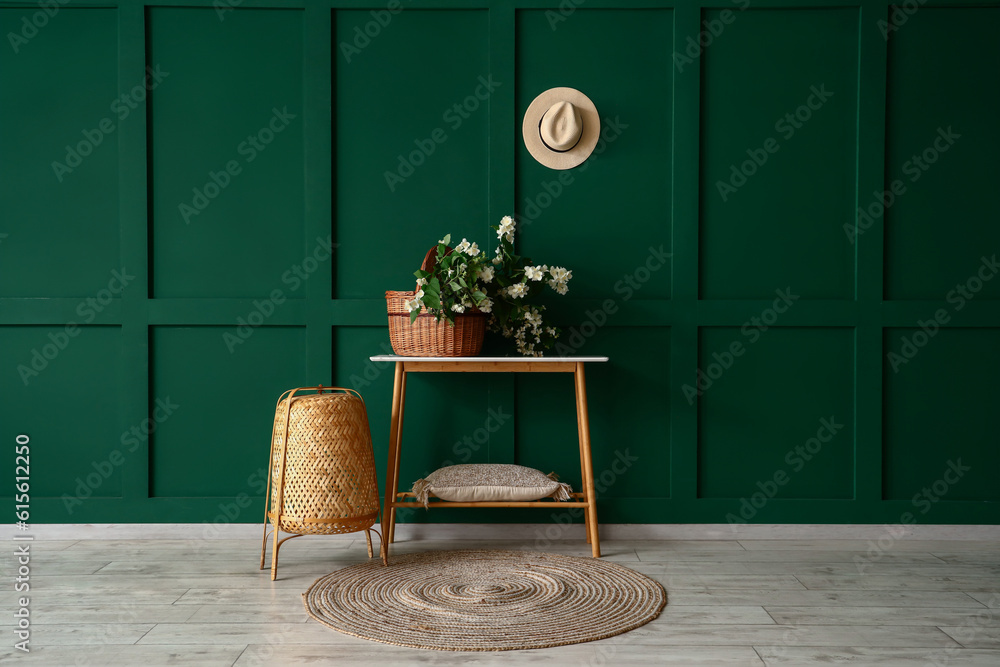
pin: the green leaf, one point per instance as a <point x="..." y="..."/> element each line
<point x="446" y="240"/>
<point x="413" y="316"/>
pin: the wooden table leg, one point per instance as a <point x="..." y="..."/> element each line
<point x="388" y="513"/>
<point x="583" y="465"/>
<point x="588" y="466"/>
<point x="399" y="452"/>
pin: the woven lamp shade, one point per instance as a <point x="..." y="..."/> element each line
<point x="322" y="467"/>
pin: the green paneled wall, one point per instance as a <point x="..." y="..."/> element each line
<point x="201" y="206"/>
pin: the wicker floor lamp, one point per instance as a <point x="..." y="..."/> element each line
<point x="321" y="477"/>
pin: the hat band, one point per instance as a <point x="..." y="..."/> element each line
<point x="555" y="150"/>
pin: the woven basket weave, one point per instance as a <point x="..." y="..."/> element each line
<point x="427" y="336"/>
<point x="322" y="465"/>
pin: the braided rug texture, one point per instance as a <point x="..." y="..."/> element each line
<point x="479" y="600"/>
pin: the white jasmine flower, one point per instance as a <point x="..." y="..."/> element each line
<point x="486" y="275"/>
<point x="421" y="282"/>
<point x="533" y="273"/>
<point x="418" y="295"/>
<point x="472" y="250"/>
<point x="486" y="305"/>
<point x="463" y="246"/>
<point x="561" y="288"/>
<point x="496" y="261"/>
<point x="506" y="228"/>
<point x="533" y="318"/>
<point x="412" y="305"/>
<point x="559" y="274"/>
<point x="458" y="308"/>
<point x="517" y="291"/>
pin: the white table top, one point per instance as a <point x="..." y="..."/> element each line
<point x="534" y="360"/>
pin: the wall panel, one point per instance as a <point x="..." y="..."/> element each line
<point x="61" y="388"/>
<point x="779" y="153"/>
<point x="59" y="114"/>
<point x="923" y="404"/>
<point x="616" y="205"/>
<point x="941" y="151"/>
<point x="776" y="413"/>
<point x="226" y="150"/>
<point x="214" y="407"/>
<point x="411" y="142"/>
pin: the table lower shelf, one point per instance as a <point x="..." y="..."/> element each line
<point x="582" y="502"/>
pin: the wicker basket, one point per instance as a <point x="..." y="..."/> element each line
<point x="428" y="337"/>
<point x="322" y="468"/>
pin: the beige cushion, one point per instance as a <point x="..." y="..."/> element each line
<point x="472" y="482"/>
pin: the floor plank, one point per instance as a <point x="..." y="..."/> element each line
<point x="933" y="616"/>
<point x="784" y="656"/>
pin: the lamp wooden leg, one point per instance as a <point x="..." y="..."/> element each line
<point x="368" y="536"/>
<point x="263" y="545"/>
<point x="274" y="556"/>
<point x="588" y="466"/>
<point x="389" y="512"/>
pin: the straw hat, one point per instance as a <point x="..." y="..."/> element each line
<point x="561" y="127"/>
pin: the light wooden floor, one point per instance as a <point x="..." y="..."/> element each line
<point x="750" y="602"/>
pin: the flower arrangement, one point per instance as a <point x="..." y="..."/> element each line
<point x="464" y="279"/>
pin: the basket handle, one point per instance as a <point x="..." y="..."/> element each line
<point x="430" y="259"/>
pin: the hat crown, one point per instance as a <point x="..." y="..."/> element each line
<point x="561" y="126"/>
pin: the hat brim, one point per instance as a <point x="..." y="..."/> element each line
<point x="588" y="137"/>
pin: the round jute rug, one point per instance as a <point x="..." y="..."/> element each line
<point x="477" y="600"/>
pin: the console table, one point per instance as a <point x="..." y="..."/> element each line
<point x="404" y="365"/>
